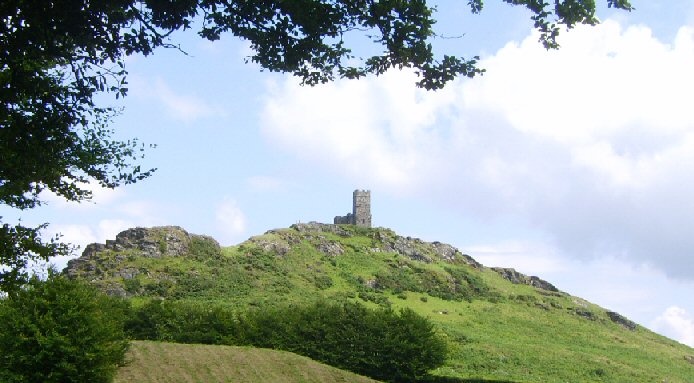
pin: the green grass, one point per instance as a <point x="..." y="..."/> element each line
<point x="496" y="330"/>
<point x="156" y="362"/>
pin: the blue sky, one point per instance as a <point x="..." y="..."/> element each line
<point x="574" y="165"/>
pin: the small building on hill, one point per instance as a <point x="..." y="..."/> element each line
<point x="361" y="210"/>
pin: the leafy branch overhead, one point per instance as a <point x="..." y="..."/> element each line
<point x="307" y="37"/>
<point x="57" y="56"/>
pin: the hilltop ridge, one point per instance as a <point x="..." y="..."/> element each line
<point x="500" y="324"/>
<point x="174" y="241"/>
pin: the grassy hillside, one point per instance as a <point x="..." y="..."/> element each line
<point x="155" y="362"/>
<point x="500" y="325"/>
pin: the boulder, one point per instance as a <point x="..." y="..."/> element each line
<point x="626" y="323"/>
<point x="517" y="278"/>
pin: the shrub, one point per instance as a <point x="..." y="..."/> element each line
<point x="382" y="344"/>
<point x="204" y="248"/>
<point x="180" y="322"/>
<point x="322" y="281"/>
<point x="376" y="298"/>
<point x="60" y="330"/>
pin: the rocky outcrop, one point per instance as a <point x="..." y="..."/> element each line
<point x="278" y="247"/>
<point x="585" y="313"/>
<point x="620" y="320"/>
<point x="155" y="242"/>
<point x="515" y="277"/>
<point x="408" y="247"/>
<point x="385" y="240"/>
<point x="418" y="250"/>
<point x="330" y="248"/>
<point x="311" y="227"/>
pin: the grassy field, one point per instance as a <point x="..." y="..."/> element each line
<point x="496" y="330"/>
<point x="156" y="362"/>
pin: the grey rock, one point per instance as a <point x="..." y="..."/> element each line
<point x="542" y="284"/>
<point x="621" y="320"/>
<point x="127" y="273"/>
<point x="371" y="283"/>
<point x="321" y="227"/>
<point x="517" y="278"/>
<point x="155" y="242"/>
<point x="585" y="314"/>
<point x="115" y="290"/>
<point x="408" y="247"/>
<point x="330" y="248"/>
<point x="279" y="247"/>
<point x="457" y="257"/>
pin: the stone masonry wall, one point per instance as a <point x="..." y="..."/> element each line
<point x="361" y="210"/>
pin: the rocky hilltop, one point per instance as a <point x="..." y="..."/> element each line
<point x="110" y="260"/>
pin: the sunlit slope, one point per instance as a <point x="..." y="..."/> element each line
<point x="501" y="325"/>
<point x="155" y="362"/>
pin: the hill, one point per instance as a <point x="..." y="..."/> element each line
<point x="500" y="324"/>
<point x="155" y="362"/>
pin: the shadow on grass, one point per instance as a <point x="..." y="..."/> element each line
<point x="446" y="379"/>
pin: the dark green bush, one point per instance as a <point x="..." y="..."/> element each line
<point x="204" y="248"/>
<point x="132" y="285"/>
<point x="382" y="344"/>
<point x="181" y="322"/>
<point x="456" y="283"/>
<point x="60" y="330"/>
<point x="377" y="298"/>
<point x="322" y="281"/>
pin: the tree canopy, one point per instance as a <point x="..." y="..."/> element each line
<point x="57" y="56"/>
<point x="60" y="330"/>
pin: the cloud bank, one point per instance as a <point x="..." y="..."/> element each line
<point x="676" y="323"/>
<point x="592" y="144"/>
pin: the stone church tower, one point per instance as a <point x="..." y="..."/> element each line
<point x="361" y="207"/>
<point x="361" y="210"/>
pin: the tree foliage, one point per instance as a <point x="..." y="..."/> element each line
<point x="56" y="56"/>
<point x="60" y="330"/>
<point x="182" y="322"/>
<point x="379" y="343"/>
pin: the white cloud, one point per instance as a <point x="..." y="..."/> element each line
<point x="182" y="107"/>
<point x="369" y="129"/>
<point x="100" y="196"/>
<point x="592" y="144"/>
<point x="677" y="324"/>
<point x="231" y="220"/>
